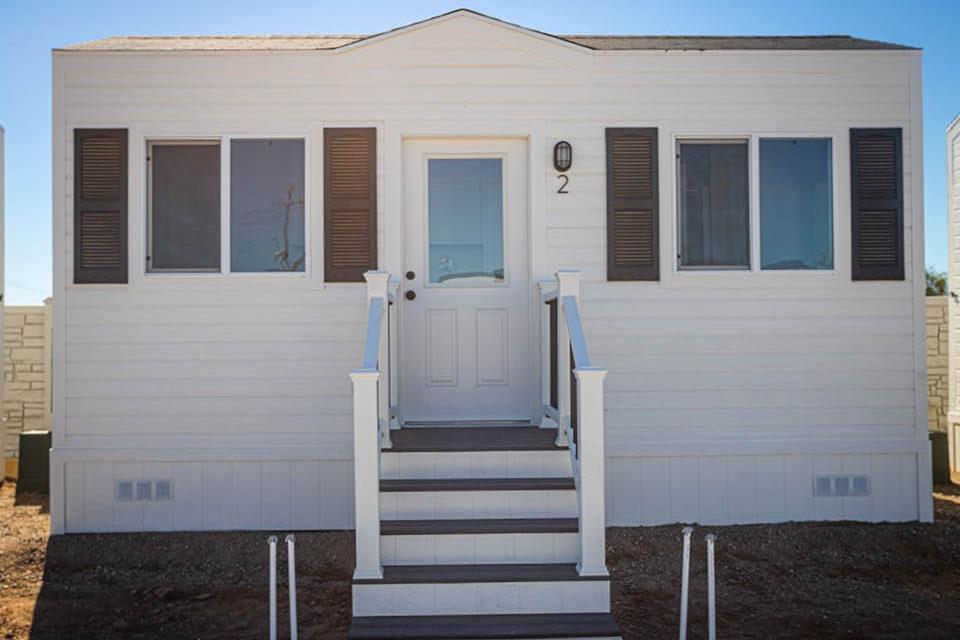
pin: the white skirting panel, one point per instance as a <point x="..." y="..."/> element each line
<point x="210" y="495"/>
<point x="290" y="494"/>
<point x="748" y="489"/>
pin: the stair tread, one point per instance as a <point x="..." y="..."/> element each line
<point x="481" y="525"/>
<point x="479" y="484"/>
<point x="440" y="439"/>
<point x="469" y="573"/>
<point x="485" y="627"/>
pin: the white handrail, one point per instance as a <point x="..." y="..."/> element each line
<point x="578" y="341"/>
<point x="585" y="410"/>
<point x="371" y="347"/>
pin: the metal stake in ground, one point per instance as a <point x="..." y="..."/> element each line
<point x="685" y="582"/>
<point x="272" y="542"/>
<point x="292" y="574"/>
<point x="711" y="590"/>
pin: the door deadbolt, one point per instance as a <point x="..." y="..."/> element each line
<point x="411" y="275"/>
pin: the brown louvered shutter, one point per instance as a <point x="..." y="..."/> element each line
<point x="633" y="209"/>
<point x="100" y="206"/>
<point x="350" y="203"/>
<point x="876" y="176"/>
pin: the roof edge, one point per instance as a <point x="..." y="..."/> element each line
<point x="469" y="13"/>
<point x="579" y="42"/>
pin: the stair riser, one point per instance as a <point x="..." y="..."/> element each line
<point x="566" y="638"/>
<point x="482" y="548"/>
<point x="482" y="464"/>
<point x="434" y="505"/>
<point x="582" y="596"/>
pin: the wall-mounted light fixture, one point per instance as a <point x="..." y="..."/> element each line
<point x="562" y="156"/>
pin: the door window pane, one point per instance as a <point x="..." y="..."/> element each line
<point x="267" y="205"/>
<point x="184" y="207"/>
<point x="465" y="211"/>
<point x="714" y="205"/>
<point x="796" y="204"/>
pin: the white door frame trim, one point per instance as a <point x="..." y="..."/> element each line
<point x="397" y="136"/>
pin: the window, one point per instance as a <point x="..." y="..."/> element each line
<point x="184" y="211"/>
<point x="465" y="210"/>
<point x="267" y="206"/>
<point x="714" y="205"/>
<point x="263" y="229"/>
<point x="796" y="203"/>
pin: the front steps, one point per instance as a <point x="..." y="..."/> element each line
<point x="479" y="538"/>
<point x="489" y="627"/>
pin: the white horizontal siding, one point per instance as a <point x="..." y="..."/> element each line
<point x="695" y="360"/>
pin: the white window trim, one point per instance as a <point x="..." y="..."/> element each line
<point x="225" y="141"/>
<point x="753" y="141"/>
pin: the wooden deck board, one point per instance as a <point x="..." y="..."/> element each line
<point x="479" y="484"/>
<point x="469" y="573"/>
<point x="483" y="525"/>
<point x="485" y="627"/>
<point x="439" y="439"/>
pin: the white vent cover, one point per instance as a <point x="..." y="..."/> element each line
<point x="143" y="490"/>
<point x="163" y="490"/>
<point x="841" y="486"/>
<point x="124" y="490"/>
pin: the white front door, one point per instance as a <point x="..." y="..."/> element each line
<point x="466" y="349"/>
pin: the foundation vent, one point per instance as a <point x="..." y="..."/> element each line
<point x="143" y="490"/>
<point x="841" y="486"/>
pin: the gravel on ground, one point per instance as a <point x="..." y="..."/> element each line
<point x="796" y="580"/>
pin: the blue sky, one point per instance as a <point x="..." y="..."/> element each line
<point x="29" y="30"/>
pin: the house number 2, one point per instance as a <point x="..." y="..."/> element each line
<point x="563" y="185"/>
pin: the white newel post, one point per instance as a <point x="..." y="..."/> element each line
<point x="366" y="473"/>
<point x="590" y="450"/>
<point x="368" y="401"/>
<point x="568" y="284"/>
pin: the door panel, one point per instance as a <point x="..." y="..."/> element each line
<point x="466" y="349"/>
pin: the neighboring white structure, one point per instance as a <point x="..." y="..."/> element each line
<point x="3" y="430"/>
<point x="740" y="231"/>
<point x="953" y="301"/>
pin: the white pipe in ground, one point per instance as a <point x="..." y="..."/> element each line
<point x="711" y="590"/>
<point x="292" y="573"/>
<point x="272" y="541"/>
<point x="685" y="582"/>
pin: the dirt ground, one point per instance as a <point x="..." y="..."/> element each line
<point x="815" y="580"/>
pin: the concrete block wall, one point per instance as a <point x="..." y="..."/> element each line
<point x="26" y="372"/>
<point x="937" y="363"/>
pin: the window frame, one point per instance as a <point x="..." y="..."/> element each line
<point x="225" y="141"/>
<point x="753" y="166"/>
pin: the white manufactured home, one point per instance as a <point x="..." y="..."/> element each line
<point x="953" y="301"/>
<point x="474" y="290"/>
